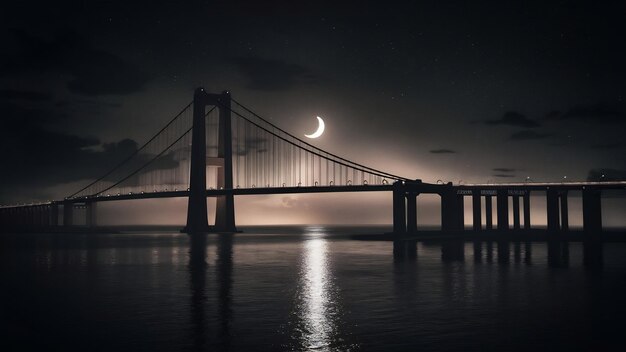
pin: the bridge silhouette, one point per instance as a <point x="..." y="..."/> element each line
<point x="217" y="147"/>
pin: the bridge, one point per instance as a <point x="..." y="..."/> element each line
<point x="217" y="147"/>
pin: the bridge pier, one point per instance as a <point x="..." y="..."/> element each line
<point x="564" y="212"/>
<point x="68" y="214"/>
<point x="54" y="215"/>
<point x="197" y="220"/>
<point x="225" y="211"/>
<point x="411" y="212"/>
<point x="552" y="208"/>
<point x="451" y="209"/>
<point x="476" y="210"/>
<point x="526" y="201"/>
<point x="399" y="208"/>
<point x="592" y="211"/>
<point x="516" y="211"/>
<point x="503" y="209"/>
<point x="91" y="214"/>
<point x="488" y="212"/>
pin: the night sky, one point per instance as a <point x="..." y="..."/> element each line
<point x="468" y="92"/>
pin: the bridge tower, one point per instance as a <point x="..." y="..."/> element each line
<point x="197" y="220"/>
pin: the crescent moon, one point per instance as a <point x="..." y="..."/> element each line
<point x="320" y="129"/>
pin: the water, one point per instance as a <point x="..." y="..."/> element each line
<point x="303" y="290"/>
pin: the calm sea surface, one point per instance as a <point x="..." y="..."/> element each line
<point x="304" y="289"/>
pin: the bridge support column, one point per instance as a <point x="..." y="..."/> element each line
<point x="225" y="211"/>
<point x="46" y="215"/>
<point x="68" y="214"/>
<point x="54" y="215"/>
<point x="564" y="212"/>
<point x="552" y="207"/>
<point x="450" y="210"/>
<point x="460" y="211"/>
<point x="399" y="208"/>
<point x="411" y="212"/>
<point x="592" y="211"/>
<point x="197" y="220"/>
<point x="488" y="212"/>
<point x="91" y="214"/>
<point x="526" y="199"/>
<point x="503" y="209"/>
<point x="476" y="210"/>
<point x="516" y="218"/>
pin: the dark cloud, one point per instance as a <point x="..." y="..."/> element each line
<point x="35" y="156"/>
<point x="10" y="94"/>
<point x="606" y="174"/>
<point x="596" y="113"/>
<point x="92" y="71"/>
<point x="503" y="175"/>
<point x="272" y="75"/>
<point x="503" y="169"/>
<point x="442" y="151"/>
<point x="528" y="135"/>
<point x="512" y="118"/>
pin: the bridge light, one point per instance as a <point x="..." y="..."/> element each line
<point x="385" y="182"/>
<point x="299" y="184"/>
<point x="283" y="184"/>
<point x="331" y="183"/>
<point x="253" y="186"/>
<point x="315" y="183"/>
<point x="365" y="183"/>
<point x="349" y="182"/>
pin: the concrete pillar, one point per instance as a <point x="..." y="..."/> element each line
<point x="54" y="215"/>
<point x="450" y="218"/>
<point x="68" y="214"/>
<point x="399" y="208"/>
<point x="592" y="211"/>
<point x="564" y="212"/>
<point x="91" y="214"/>
<point x="526" y="199"/>
<point x="476" y="210"/>
<point x="46" y="215"/>
<point x="552" y="207"/>
<point x="516" y="219"/>
<point x="460" y="211"/>
<point x="411" y="212"/>
<point x="488" y="212"/>
<point x="503" y="209"/>
<point x="197" y="220"/>
<point x="225" y="205"/>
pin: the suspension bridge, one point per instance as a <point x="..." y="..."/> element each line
<point x="218" y="147"/>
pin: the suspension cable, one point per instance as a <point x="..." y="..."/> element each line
<point x="134" y="153"/>
<point x="370" y="171"/>
<point x="312" y="146"/>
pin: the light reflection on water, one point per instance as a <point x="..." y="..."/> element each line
<point x="307" y="290"/>
<point x="317" y="296"/>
